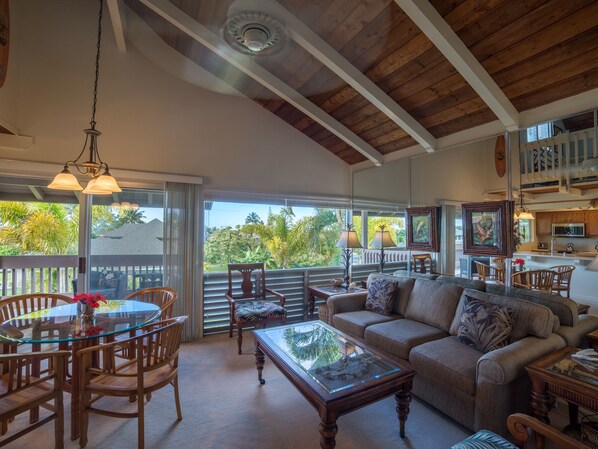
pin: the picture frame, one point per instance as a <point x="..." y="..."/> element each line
<point x="422" y="228"/>
<point x="488" y="228"/>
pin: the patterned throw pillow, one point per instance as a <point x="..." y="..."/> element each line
<point x="381" y="294"/>
<point x="484" y="325"/>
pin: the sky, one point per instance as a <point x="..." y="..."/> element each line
<point x="231" y="214"/>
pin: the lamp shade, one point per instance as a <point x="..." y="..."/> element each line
<point x="107" y="182"/>
<point x="382" y="239"/>
<point x="93" y="189"/>
<point x="65" y="180"/>
<point x="349" y="239"/>
<point x="524" y="215"/>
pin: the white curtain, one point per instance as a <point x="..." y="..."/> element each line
<point x="183" y="248"/>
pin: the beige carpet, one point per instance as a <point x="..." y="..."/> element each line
<point x="225" y="407"/>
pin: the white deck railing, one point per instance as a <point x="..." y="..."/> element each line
<point x="557" y="158"/>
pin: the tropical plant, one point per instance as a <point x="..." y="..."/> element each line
<point x="253" y="218"/>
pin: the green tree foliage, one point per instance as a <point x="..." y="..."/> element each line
<point x="395" y="225"/>
<point x="38" y="228"/>
<point x="281" y="242"/>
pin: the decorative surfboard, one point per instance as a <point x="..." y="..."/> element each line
<point x="500" y="157"/>
<point x="4" y="39"/>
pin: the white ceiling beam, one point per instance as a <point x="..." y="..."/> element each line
<point x="328" y="56"/>
<point x="204" y="36"/>
<point x="431" y="23"/>
<point x="37" y="192"/>
<point x="14" y="142"/>
<point x="118" y="23"/>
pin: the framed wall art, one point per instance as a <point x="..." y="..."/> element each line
<point x="488" y="228"/>
<point x="422" y="229"/>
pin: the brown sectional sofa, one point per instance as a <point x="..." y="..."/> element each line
<point x="478" y="390"/>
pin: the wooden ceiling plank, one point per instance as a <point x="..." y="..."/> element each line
<point x="446" y="40"/>
<point x="315" y="45"/>
<point x="244" y="63"/>
<point x="118" y="24"/>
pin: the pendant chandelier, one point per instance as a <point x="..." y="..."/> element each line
<point x="101" y="182"/>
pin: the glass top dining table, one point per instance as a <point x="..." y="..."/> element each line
<point x="64" y="323"/>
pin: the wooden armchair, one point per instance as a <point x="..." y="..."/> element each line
<point x="21" y="391"/>
<point x="541" y="280"/>
<point x="163" y="297"/>
<point x="491" y="275"/>
<point x="422" y="263"/>
<point x="154" y="365"/>
<point x="251" y="306"/>
<point x="562" y="279"/>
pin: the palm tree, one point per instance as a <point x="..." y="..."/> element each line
<point x="38" y="228"/>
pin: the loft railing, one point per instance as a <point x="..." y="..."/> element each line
<point x="54" y="274"/>
<point x="557" y="158"/>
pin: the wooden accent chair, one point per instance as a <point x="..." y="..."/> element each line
<point x="163" y="297"/>
<point x="562" y="279"/>
<point x="521" y="427"/>
<point x="251" y="306"/>
<point x="499" y="262"/>
<point x="21" y="390"/>
<point x="154" y="365"/>
<point x="490" y="275"/>
<point x="422" y="263"/>
<point x="541" y="280"/>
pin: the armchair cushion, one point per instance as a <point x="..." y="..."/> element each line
<point x="381" y="295"/>
<point x="484" y="439"/>
<point x="257" y="310"/>
<point x="485" y="326"/>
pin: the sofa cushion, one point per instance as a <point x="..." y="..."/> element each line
<point x="565" y="309"/>
<point x="447" y="359"/>
<point x="485" y="326"/>
<point x="381" y="295"/>
<point x="474" y="284"/>
<point x="398" y="337"/>
<point x="433" y="303"/>
<point x="354" y="323"/>
<point x="415" y="275"/>
<point x="530" y="319"/>
<point x="404" y="287"/>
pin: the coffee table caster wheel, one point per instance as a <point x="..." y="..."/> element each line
<point x="262" y="381"/>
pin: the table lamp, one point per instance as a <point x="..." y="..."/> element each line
<point x="348" y="241"/>
<point x="382" y="240"/>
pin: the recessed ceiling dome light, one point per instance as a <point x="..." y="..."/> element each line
<point x="254" y="33"/>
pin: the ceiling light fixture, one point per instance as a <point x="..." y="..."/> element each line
<point x="102" y="182"/>
<point x="254" y="32"/>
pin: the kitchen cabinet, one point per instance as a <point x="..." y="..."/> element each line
<point x="560" y="217"/>
<point x="544" y="223"/>
<point x="578" y="216"/>
<point x="591" y="219"/>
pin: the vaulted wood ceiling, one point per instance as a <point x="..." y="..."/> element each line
<point x="535" y="51"/>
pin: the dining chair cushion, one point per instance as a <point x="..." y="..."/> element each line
<point x="485" y="326"/>
<point x="257" y="310"/>
<point x="381" y="295"/>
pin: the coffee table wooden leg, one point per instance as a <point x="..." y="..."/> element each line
<point x="403" y="398"/>
<point x="540" y="400"/>
<point x="259" y="363"/>
<point x="328" y="430"/>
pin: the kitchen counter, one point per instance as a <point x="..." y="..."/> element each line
<point x="581" y="255"/>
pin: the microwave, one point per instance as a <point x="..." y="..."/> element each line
<point x="568" y="230"/>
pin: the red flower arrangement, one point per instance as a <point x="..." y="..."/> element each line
<point x="91" y="299"/>
<point x="519" y="262"/>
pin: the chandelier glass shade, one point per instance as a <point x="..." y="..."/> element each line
<point x="101" y="182"/>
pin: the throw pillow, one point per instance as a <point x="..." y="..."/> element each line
<point x="381" y="294"/>
<point x="484" y="325"/>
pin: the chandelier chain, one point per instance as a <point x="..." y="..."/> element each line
<point x="97" y="72"/>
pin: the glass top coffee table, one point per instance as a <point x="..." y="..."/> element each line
<point x="335" y="373"/>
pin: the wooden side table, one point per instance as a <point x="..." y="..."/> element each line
<point x="557" y="374"/>
<point x="324" y="292"/>
<point x="592" y="338"/>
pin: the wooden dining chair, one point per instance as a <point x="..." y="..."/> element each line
<point x="499" y="262"/>
<point x="154" y="365"/>
<point x="540" y="280"/>
<point x="490" y="275"/>
<point x="251" y="306"/>
<point x="163" y="297"/>
<point x="422" y="263"/>
<point x="562" y="279"/>
<point x="21" y="391"/>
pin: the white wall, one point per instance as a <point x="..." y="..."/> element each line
<point x="150" y="119"/>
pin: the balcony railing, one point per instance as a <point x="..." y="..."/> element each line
<point x="55" y="274"/>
